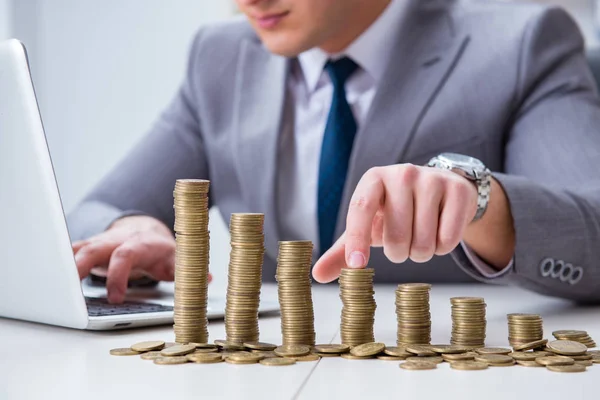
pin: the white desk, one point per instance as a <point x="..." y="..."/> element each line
<point x="43" y="362"/>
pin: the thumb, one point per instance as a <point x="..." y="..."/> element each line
<point x="329" y="266"/>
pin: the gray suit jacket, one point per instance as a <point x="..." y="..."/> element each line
<point x="506" y="83"/>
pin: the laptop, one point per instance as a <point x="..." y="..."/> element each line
<point x="38" y="276"/>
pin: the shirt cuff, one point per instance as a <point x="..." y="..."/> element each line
<point x="482" y="267"/>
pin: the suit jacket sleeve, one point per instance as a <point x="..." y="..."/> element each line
<point x="143" y="182"/>
<point x="552" y="159"/>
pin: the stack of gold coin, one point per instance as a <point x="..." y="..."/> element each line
<point x="524" y="328"/>
<point x="468" y="321"/>
<point x="577" y="336"/>
<point x="295" y="296"/>
<point x="245" y="277"/>
<point x="358" y="311"/>
<point x="413" y="314"/>
<point x="191" y="260"/>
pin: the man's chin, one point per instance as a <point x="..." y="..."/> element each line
<point x="283" y="47"/>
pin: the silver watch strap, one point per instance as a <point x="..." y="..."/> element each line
<point x="484" y="188"/>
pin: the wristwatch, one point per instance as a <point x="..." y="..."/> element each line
<point x="472" y="169"/>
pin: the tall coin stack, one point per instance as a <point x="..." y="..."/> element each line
<point x="413" y="314"/>
<point x="524" y="328"/>
<point x="245" y="277"/>
<point x="295" y="295"/>
<point x="358" y="311"/>
<point x="468" y="321"/>
<point x="191" y="260"/>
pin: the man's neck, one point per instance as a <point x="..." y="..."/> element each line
<point x="357" y="22"/>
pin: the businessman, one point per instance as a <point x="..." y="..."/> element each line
<point x="435" y="140"/>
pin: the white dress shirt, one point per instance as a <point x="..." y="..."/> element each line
<point x="311" y="92"/>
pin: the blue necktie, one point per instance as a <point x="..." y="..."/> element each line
<point x="335" y="151"/>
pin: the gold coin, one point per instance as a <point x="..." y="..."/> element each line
<point x="587" y="363"/>
<point x="567" y="368"/>
<point x="468" y="365"/>
<point x="148" y="346"/>
<point x="277" y="362"/>
<point x="494" y="359"/>
<point x="205" y="346"/>
<point x="226" y="345"/>
<point x="529" y="363"/>
<point x="434" y="359"/>
<point x="493" y="350"/>
<point x="124" y="352"/>
<point x="308" y="357"/>
<point x="151" y="355"/>
<point x="418" y="365"/>
<point x="335" y="354"/>
<point x="180" y="350"/>
<point x="555" y="360"/>
<point x="583" y="357"/>
<point x="469" y="356"/>
<point x="292" y="350"/>
<point x="397" y="351"/>
<point x="331" y="348"/>
<point x="207" y="350"/>
<point x="567" y="347"/>
<point x="240" y="361"/>
<point x="390" y="358"/>
<point x="420" y="350"/>
<point x="260" y="346"/>
<point x="449" y="349"/>
<point x="531" y="345"/>
<point x="367" y="349"/>
<point x="524" y="355"/>
<point x="205" y="358"/>
<point x="569" y="334"/>
<point x="170" y="360"/>
<point x="245" y="356"/>
<point x="350" y="356"/>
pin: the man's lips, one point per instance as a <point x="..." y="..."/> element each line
<point x="269" y="21"/>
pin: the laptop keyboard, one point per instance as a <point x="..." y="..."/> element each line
<point x="99" y="307"/>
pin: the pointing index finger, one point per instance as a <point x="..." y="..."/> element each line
<point x="366" y="201"/>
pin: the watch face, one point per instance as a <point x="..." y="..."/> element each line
<point x="462" y="161"/>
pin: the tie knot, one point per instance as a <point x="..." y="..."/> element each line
<point x="340" y="70"/>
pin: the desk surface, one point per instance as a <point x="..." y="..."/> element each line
<point x="41" y="362"/>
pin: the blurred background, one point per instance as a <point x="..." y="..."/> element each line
<point x="104" y="69"/>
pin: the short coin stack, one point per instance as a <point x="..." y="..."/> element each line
<point x="413" y="314"/>
<point x="191" y="260"/>
<point x="468" y="321"/>
<point x="358" y="311"/>
<point x="576" y="336"/>
<point x="245" y="277"/>
<point x="524" y="328"/>
<point x="295" y="295"/>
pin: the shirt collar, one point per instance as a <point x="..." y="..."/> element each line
<point x="371" y="50"/>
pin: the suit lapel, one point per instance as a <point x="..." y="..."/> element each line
<point x="259" y="102"/>
<point x="423" y="58"/>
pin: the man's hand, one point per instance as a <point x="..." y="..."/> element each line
<point x="413" y="212"/>
<point x="137" y="243"/>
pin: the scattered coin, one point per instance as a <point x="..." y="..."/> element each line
<point x="528" y="363"/>
<point x="531" y="345"/>
<point x="420" y="350"/>
<point x="469" y="365"/>
<point x="582" y="357"/>
<point x="469" y="356"/>
<point x="151" y="355"/>
<point x="493" y="350"/>
<point x="349" y="356"/>
<point x="308" y="357"/>
<point x="328" y="354"/>
<point x="586" y="363"/>
<point x="207" y="350"/>
<point x="555" y="360"/>
<point x="148" y="346"/>
<point x="245" y="356"/>
<point x="449" y="349"/>
<point x="331" y="348"/>
<point x="227" y="345"/>
<point x="493" y="359"/>
<point x="205" y="358"/>
<point x="524" y="356"/>
<point x="260" y="346"/>
<point x="170" y="360"/>
<point x="418" y="365"/>
<point x="205" y="346"/>
<point x="434" y="359"/>
<point x="566" y="368"/>
<point x="180" y="350"/>
<point x="277" y="362"/>
<point x="292" y="350"/>
<point x="397" y="351"/>
<point x="390" y="358"/>
<point x="567" y="347"/>
<point x="124" y="352"/>
<point x="367" y="349"/>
